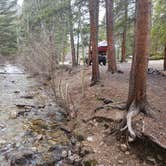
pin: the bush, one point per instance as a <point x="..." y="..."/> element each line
<point x="156" y="56"/>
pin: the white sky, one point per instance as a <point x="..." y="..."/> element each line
<point x="20" y="2"/>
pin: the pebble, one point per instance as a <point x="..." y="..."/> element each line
<point x="123" y="147"/>
<point x="40" y="137"/>
<point x="90" y="139"/>
<point x="127" y="153"/>
<point x="13" y="115"/>
<point x="120" y="161"/>
<point x="64" y="153"/>
<point x="75" y="158"/>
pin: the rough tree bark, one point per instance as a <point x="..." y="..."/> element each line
<point x="110" y="37"/>
<point x="165" y="58"/>
<point x="94" y="14"/>
<point x="78" y="44"/>
<point x="90" y="50"/>
<point x="137" y="99"/>
<point x="124" y="34"/>
<point x="72" y="36"/>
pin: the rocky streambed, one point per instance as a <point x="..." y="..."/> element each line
<point x="30" y="124"/>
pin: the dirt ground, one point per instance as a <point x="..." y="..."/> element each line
<point x="104" y="148"/>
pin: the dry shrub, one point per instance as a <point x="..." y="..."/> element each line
<point x="62" y="94"/>
<point x="37" y="56"/>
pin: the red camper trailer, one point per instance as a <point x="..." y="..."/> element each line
<point x="102" y="51"/>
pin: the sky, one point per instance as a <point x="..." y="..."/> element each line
<point x="20" y="2"/>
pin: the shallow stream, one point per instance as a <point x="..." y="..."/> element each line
<point x="29" y="122"/>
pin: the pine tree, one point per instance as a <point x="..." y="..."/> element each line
<point x="8" y="34"/>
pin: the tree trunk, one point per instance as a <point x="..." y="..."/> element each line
<point x="124" y="35"/>
<point x="94" y="14"/>
<point x="110" y="37"/>
<point x="90" y="51"/>
<point x="72" y="36"/>
<point x="82" y="45"/>
<point x="137" y="99"/>
<point x="165" y="58"/>
<point x="78" y="43"/>
<point x="138" y="75"/>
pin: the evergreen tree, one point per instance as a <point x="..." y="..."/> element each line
<point x="8" y="33"/>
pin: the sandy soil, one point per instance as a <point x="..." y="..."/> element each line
<point x="107" y="149"/>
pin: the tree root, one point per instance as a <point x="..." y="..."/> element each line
<point x="133" y="111"/>
<point x="118" y="105"/>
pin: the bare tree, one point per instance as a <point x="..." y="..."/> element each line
<point x="110" y="37"/>
<point x="94" y="14"/>
<point x="137" y="98"/>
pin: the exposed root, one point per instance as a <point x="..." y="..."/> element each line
<point x="119" y="106"/>
<point x="147" y="109"/>
<point x="133" y="111"/>
<point x="97" y="118"/>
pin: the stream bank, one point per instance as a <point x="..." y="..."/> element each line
<point x="30" y="124"/>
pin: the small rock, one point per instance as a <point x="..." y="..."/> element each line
<point x="90" y="139"/>
<point x="123" y="147"/>
<point x="73" y="140"/>
<point x="2" y="126"/>
<point x="120" y="161"/>
<point x="64" y="153"/>
<point x="127" y="153"/>
<point x="75" y="158"/>
<point x="2" y="142"/>
<point x="13" y="115"/>
<point x="39" y="137"/>
<point x="101" y="143"/>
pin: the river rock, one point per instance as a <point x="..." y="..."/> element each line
<point x="13" y="115"/>
<point x="75" y="158"/>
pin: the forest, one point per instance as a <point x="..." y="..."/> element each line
<point x="82" y="82"/>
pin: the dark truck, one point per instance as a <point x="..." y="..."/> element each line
<point x="102" y="51"/>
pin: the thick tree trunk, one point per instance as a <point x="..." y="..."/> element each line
<point x="72" y="36"/>
<point x="90" y="51"/>
<point x="110" y="37"/>
<point x="94" y="14"/>
<point x="124" y="34"/>
<point x="165" y="58"/>
<point x="137" y="90"/>
<point x="137" y="100"/>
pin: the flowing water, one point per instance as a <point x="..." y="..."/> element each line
<point x="29" y="130"/>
